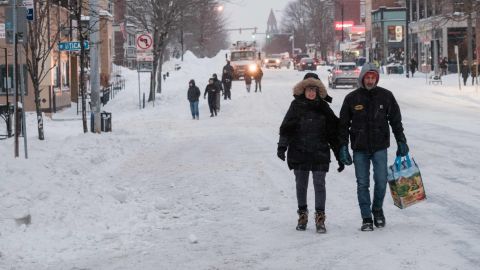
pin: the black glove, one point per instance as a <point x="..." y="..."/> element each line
<point x="341" y="167"/>
<point x="281" y="152"/>
<point x="344" y="155"/>
<point x="402" y="149"/>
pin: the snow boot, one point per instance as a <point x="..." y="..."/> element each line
<point x="320" y="221"/>
<point x="378" y="218"/>
<point x="302" y="220"/>
<point x="367" y="225"/>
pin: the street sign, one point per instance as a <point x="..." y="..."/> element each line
<point x="144" y="66"/>
<point x="28" y="4"/>
<point x="144" y="42"/>
<point x="72" y="46"/>
<point x="144" y="56"/>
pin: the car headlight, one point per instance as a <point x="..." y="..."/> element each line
<point x="278" y="61"/>
<point x="252" y="68"/>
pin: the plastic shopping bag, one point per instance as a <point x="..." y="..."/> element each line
<point x="405" y="181"/>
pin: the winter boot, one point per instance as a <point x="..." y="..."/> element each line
<point x="367" y="225"/>
<point x="378" y="218"/>
<point x="302" y="220"/>
<point x="320" y="221"/>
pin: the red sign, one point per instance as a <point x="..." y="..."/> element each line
<point x="144" y="42"/>
<point x="338" y="25"/>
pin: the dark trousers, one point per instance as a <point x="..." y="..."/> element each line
<point x="465" y="80"/>
<point x="212" y="104"/>
<point x="258" y="84"/>
<point x="301" y="178"/>
<point x="227" y="93"/>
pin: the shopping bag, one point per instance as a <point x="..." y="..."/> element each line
<point x="405" y="181"/>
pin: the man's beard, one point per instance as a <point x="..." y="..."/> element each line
<point x="369" y="87"/>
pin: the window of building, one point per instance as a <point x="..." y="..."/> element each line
<point x="3" y="81"/>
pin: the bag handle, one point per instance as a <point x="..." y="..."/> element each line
<point x="398" y="162"/>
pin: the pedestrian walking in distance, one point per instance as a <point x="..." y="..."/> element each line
<point x="258" y="79"/>
<point x="248" y="80"/>
<point x="465" y="71"/>
<point x="193" y="94"/>
<point x="211" y="90"/>
<point x="308" y="131"/>
<point x="218" y="83"/>
<point x="227" y="78"/>
<point x="364" y="118"/>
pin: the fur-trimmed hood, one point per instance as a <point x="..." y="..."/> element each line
<point x="299" y="88"/>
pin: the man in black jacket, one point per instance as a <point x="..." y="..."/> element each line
<point x="365" y="116"/>
<point x="308" y="131"/>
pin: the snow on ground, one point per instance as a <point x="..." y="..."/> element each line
<point x="163" y="191"/>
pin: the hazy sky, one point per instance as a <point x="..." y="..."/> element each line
<point x="251" y="13"/>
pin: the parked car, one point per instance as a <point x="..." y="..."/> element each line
<point x="297" y="58"/>
<point x="276" y="61"/>
<point x="343" y="73"/>
<point x="306" y="63"/>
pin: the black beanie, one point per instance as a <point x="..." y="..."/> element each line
<point x="311" y="75"/>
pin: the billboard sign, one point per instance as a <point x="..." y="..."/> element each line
<point x="346" y="24"/>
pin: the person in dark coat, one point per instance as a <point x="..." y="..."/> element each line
<point x="248" y="80"/>
<point x="413" y="66"/>
<point x="365" y="117"/>
<point x="211" y="89"/>
<point x="258" y="79"/>
<point x="444" y="66"/>
<point x="474" y="72"/>
<point x="193" y="94"/>
<point x="228" y="68"/>
<point x="465" y="70"/>
<point x="218" y="83"/>
<point x="227" y="84"/>
<point x="308" y="131"/>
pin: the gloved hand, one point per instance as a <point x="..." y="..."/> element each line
<point x="344" y="155"/>
<point x="341" y="167"/>
<point x="402" y="149"/>
<point x="281" y="152"/>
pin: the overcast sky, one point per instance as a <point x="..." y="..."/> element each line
<point x="251" y="13"/>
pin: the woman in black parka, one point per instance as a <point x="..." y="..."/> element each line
<point x="308" y="131"/>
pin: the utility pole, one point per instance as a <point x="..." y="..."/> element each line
<point x="407" y="34"/>
<point x="341" y="6"/>
<point x="94" y="65"/>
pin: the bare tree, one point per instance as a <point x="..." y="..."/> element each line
<point x="204" y="29"/>
<point x="77" y="9"/>
<point x="311" y="21"/>
<point x="38" y="47"/>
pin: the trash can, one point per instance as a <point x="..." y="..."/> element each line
<point x="106" y="121"/>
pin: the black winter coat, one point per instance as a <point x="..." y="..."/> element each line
<point x="465" y="70"/>
<point x="227" y="79"/>
<point x="193" y="93"/>
<point x="365" y="116"/>
<point x="308" y="131"/>
<point x="211" y="90"/>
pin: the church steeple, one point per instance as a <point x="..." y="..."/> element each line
<point x="272" y="23"/>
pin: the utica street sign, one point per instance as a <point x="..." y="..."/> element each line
<point x="71" y="46"/>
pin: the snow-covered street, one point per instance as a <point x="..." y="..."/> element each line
<point x="163" y="191"/>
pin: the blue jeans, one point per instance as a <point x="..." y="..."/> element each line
<point x="362" y="161"/>
<point x="194" y="108"/>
